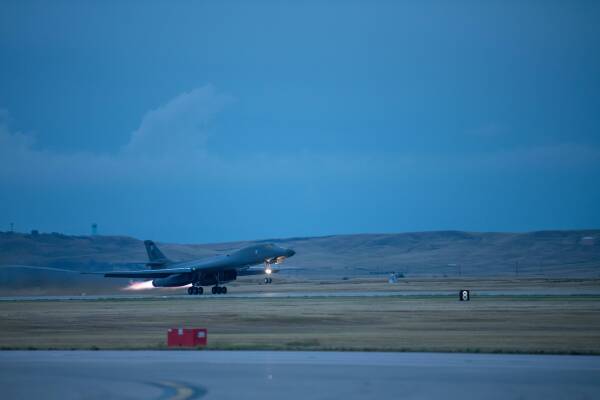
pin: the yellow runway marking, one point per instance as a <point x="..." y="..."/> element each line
<point x="182" y="392"/>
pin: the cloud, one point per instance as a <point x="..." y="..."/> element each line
<point x="170" y="144"/>
<point x="12" y="144"/>
<point x="182" y="124"/>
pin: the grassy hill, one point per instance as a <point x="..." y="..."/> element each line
<point x="552" y="253"/>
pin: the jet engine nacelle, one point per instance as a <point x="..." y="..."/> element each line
<point x="172" y="281"/>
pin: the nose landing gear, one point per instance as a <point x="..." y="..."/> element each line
<point x="268" y="270"/>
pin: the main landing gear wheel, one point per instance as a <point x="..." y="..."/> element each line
<point x="194" y="290"/>
<point x="268" y="281"/>
<point x="219" y="290"/>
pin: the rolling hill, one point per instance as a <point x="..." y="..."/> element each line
<point x="552" y="253"/>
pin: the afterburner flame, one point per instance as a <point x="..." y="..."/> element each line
<point x="146" y="285"/>
<point x="140" y="285"/>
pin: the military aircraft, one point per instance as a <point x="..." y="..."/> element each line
<point x="214" y="271"/>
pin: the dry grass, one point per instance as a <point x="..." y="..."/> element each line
<point x="491" y="324"/>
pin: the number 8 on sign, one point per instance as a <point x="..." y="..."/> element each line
<point x="464" y="295"/>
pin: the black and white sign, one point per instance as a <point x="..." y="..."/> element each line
<point x="464" y="295"/>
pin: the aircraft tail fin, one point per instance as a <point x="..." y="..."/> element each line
<point x="156" y="257"/>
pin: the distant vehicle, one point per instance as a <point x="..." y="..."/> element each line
<point x="211" y="272"/>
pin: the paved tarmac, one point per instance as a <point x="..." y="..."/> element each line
<point x="261" y="295"/>
<point x="294" y="375"/>
<point x="315" y="294"/>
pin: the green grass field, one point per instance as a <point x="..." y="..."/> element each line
<point x="540" y="324"/>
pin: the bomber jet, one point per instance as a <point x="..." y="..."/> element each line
<point x="210" y="272"/>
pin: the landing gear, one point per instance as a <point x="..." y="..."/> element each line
<point x="194" y="290"/>
<point x="268" y="270"/>
<point x="219" y="290"/>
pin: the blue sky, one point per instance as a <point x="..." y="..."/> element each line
<point x="217" y="121"/>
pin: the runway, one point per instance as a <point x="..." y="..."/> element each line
<point x="294" y="375"/>
<point x="312" y="294"/>
<point x="255" y="295"/>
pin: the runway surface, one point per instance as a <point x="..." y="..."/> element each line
<point x="294" y="375"/>
<point x="315" y="294"/>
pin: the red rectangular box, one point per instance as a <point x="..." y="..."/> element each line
<point x="187" y="337"/>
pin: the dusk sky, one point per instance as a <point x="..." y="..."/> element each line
<point x="218" y="121"/>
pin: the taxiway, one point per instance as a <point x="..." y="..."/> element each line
<point x="294" y="375"/>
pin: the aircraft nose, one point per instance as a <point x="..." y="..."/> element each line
<point x="290" y="252"/>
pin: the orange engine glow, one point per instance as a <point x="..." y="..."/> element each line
<point x="146" y="285"/>
<point x="140" y="285"/>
